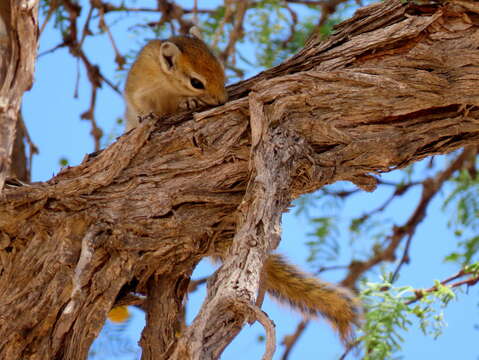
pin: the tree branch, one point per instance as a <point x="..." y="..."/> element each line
<point x="472" y="280"/>
<point x="18" y="20"/>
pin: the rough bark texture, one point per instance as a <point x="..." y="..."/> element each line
<point x="18" y="48"/>
<point x="394" y="84"/>
<point x="20" y="163"/>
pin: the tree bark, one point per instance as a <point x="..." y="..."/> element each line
<point x="18" y="49"/>
<point x="393" y="85"/>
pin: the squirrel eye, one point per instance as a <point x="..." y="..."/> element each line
<point x="197" y="84"/>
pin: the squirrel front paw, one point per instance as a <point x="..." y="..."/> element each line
<point x="189" y="103"/>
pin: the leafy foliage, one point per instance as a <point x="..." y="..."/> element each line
<point x="391" y="311"/>
<point x="463" y="200"/>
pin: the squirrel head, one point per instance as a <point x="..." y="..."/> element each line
<point x="192" y="70"/>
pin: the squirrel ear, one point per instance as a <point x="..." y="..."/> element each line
<point x="168" y="55"/>
<point x="196" y="32"/>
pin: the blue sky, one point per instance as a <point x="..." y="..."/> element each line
<point x="53" y="119"/>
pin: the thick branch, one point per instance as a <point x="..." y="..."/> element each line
<point x="18" y="48"/>
<point x="266" y="198"/>
<point x="164" y="310"/>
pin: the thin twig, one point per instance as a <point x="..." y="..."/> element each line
<point x="53" y="6"/>
<point x="349" y="348"/>
<point x="269" y="327"/>
<point x="290" y="340"/>
<point x="419" y="294"/>
<point x="194" y="284"/>
<point x="404" y="259"/>
<point x="53" y="49"/>
<point x="237" y="32"/>
<point x="119" y="59"/>
<point x="431" y="187"/>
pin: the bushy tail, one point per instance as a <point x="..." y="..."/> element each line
<point x="312" y="296"/>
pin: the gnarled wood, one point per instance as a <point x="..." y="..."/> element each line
<point x="18" y="49"/>
<point x="395" y="84"/>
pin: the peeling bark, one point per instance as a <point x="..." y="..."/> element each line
<point x="18" y="48"/>
<point x="394" y="84"/>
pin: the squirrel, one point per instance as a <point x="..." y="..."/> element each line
<point x="171" y="75"/>
<point x="181" y="73"/>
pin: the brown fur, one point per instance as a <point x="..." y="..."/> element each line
<point x="312" y="296"/>
<point x="152" y="89"/>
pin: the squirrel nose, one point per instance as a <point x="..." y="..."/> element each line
<point x="221" y="98"/>
<point x="216" y="99"/>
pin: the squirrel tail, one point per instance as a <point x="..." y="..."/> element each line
<point x="312" y="296"/>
